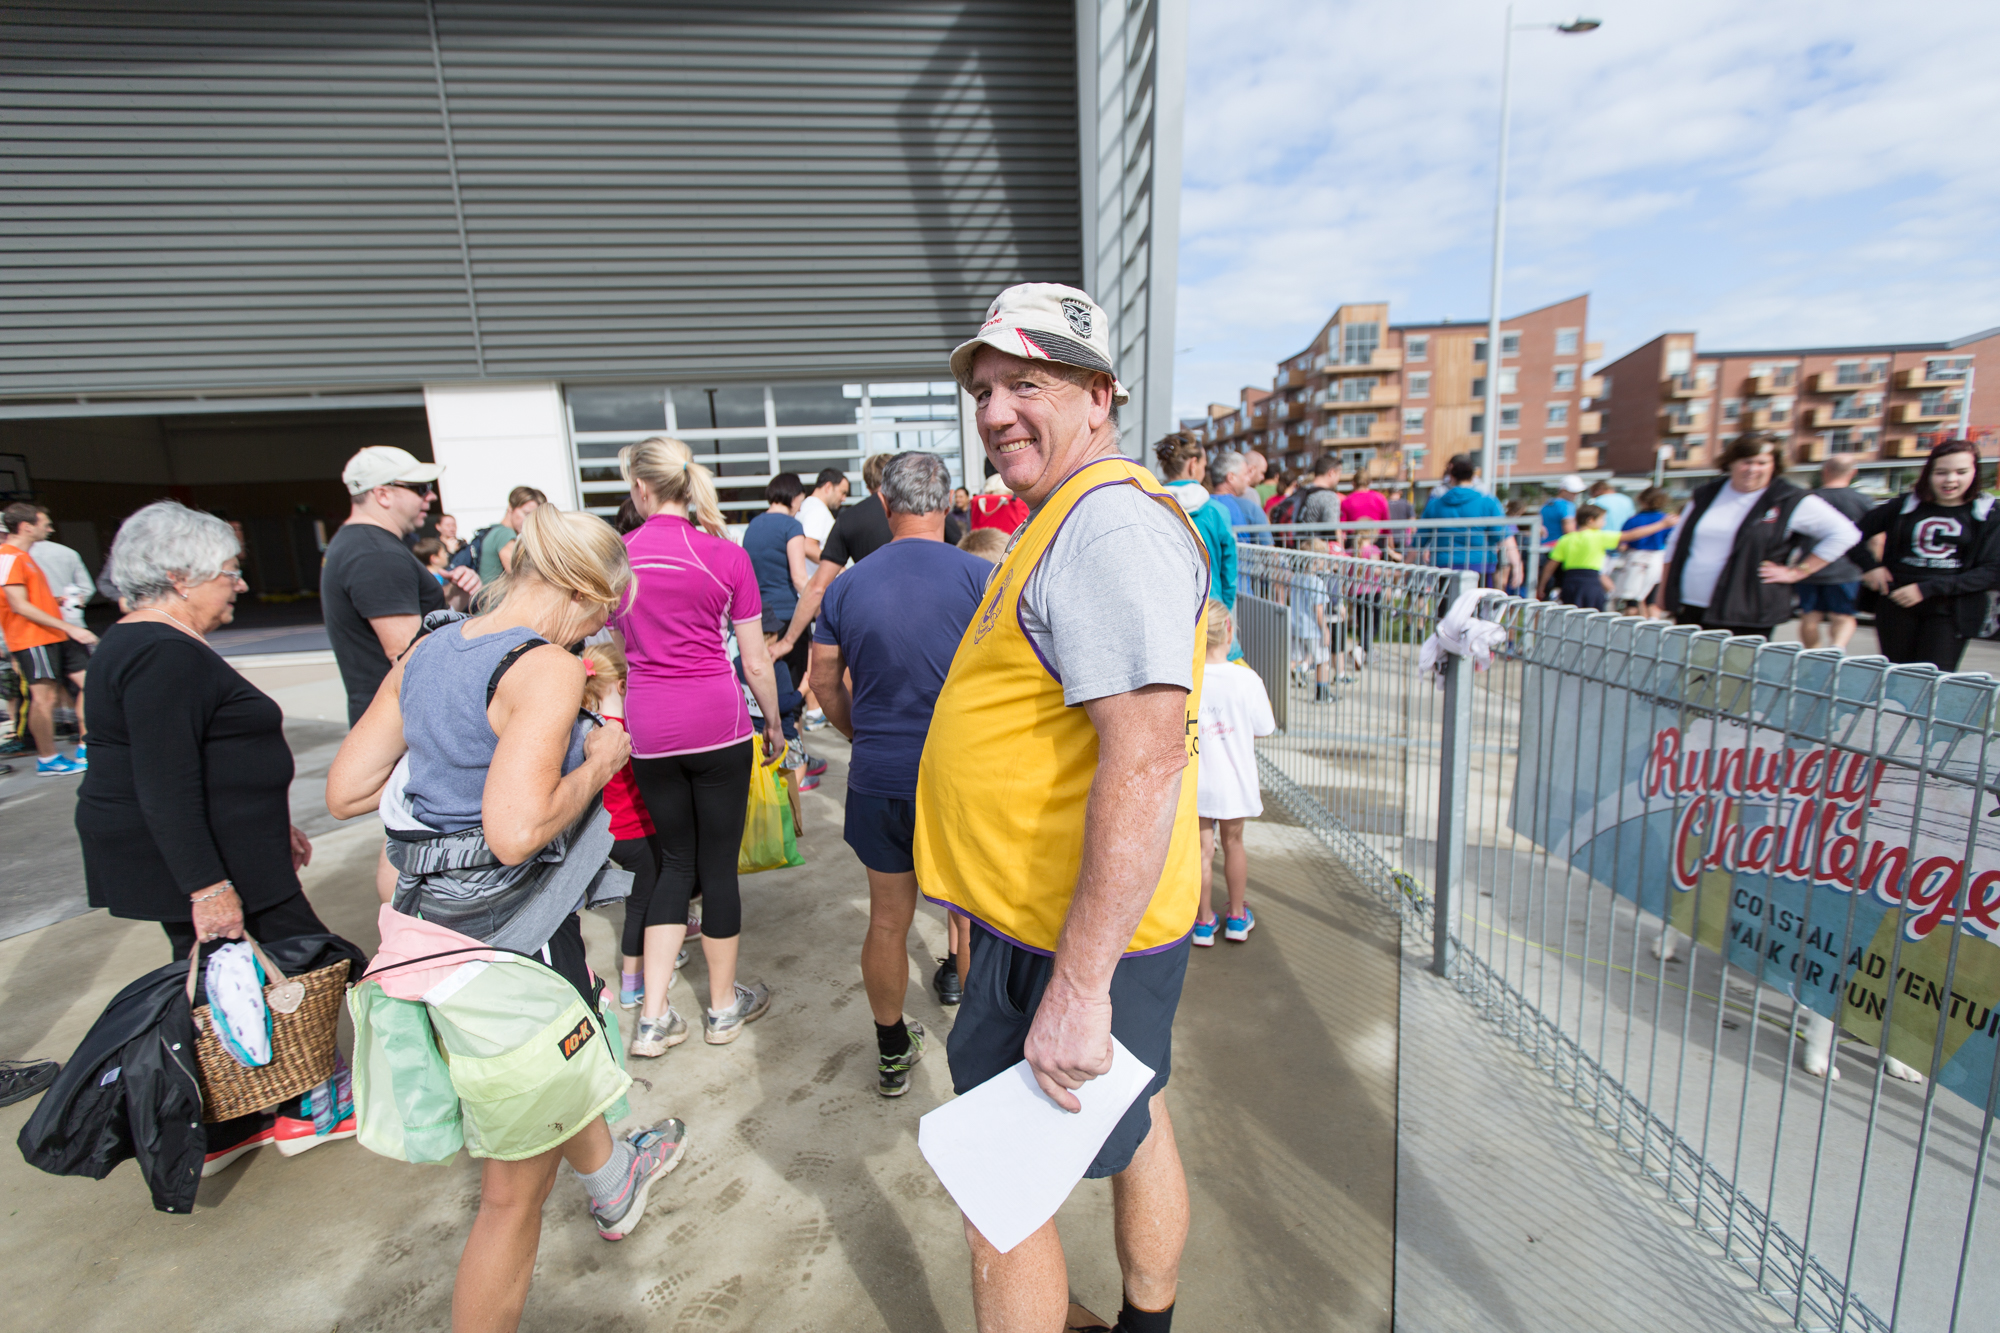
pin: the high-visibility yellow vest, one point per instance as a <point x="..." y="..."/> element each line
<point x="1007" y="766"/>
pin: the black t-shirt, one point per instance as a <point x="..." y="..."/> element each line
<point x="189" y="782"/>
<point x="1852" y="504"/>
<point x="369" y="573"/>
<point x="860" y="531"/>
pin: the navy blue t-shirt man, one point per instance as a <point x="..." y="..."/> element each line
<point x="891" y="625"/>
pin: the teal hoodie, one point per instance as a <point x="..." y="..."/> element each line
<point x="1468" y="547"/>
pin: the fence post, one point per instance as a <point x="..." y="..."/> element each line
<point x="1454" y="786"/>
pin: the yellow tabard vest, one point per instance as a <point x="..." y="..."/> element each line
<point x="1007" y="766"/>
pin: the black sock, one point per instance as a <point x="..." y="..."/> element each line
<point x="951" y="961"/>
<point x="892" y="1038"/>
<point x="1144" y="1321"/>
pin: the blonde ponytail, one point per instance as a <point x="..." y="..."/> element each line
<point x="668" y="468"/>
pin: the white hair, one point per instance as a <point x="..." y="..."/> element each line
<point x="164" y="541"/>
<point x="916" y="483"/>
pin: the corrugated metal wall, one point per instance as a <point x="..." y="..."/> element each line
<point x="228" y="195"/>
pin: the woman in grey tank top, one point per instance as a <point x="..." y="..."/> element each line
<point x="501" y="756"/>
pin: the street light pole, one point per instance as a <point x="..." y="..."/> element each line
<point x="1490" y="437"/>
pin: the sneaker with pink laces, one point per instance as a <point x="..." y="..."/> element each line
<point x="656" y="1151"/>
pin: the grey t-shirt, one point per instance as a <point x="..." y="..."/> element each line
<point x="1319" y="506"/>
<point x="1852" y="504"/>
<point x="1113" y="604"/>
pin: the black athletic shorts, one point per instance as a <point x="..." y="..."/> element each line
<point x="52" y="661"/>
<point x="882" y="831"/>
<point x="1004" y="988"/>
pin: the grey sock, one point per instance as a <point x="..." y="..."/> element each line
<point x="608" y="1181"/>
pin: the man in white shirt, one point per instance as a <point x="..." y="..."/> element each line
<point x="829" y="493"/>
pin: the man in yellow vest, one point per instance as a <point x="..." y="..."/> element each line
<point x="1055" y="797"/>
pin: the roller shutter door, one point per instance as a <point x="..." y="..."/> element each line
<point x="228" y="196"/>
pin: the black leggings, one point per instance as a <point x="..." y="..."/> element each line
<point x="281" y="920"/>
<point x="697" y="803"/>
<point x="641" y="856"/>
<point x="1918" y="634"/>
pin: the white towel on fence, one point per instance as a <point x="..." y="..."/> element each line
<point x="1464" y="634"/>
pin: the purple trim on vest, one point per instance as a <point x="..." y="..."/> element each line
<point x="997" y="933"/>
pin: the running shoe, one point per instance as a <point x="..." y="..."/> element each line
<point x="719" y="1029"/>
<point x="949" y="991"/>
<point x="1322" y="693"/>
<point x="1238" y="928"/>
<point x="79" y="755"/>
<point x="809" y="782"/>
<point x="893" y="1072"/>
<point x="1204" y="933"/>
<point x="22" y="1079"/>
<point x="631" y="990"/>
<point x="220" y="1156"/>
<point x="657" y="1034"/>
<point x="681" y="959"/>
<point x="294" y="1136"/>
<point x="656" y="1151"/>
<point x="813" y="720"/>
<point x="814" y="765"/>
<point x="58" y="767"/>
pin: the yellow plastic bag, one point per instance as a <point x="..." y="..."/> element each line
<point x="764" y="822"/>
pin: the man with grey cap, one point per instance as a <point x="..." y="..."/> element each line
<point x="372" y="591"/>
<point x="1055" y="795"/>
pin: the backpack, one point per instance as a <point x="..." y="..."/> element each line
<point x="467" y="556"/>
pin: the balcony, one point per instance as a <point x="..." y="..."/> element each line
<point x="1589" y="423"/>
<point x="1813" y="451"/>
<point x="1825" y="418"/>
<point x="1678" y="423"/>
<point x="1387" y="430"/>
<point x="1586" y="459"/>
<point x="1593" y="351"/>
<point x="1843" y="381"/>
<point x="1288" y="411"/>
<point x="1685" y="386"/>
<point x="1385" y="358"/>
<point x="1920" y="377"/>
<point x="1385" y="466"/>
<point x="1924" y="413"/>
<point x="1592" y="386"/>
<point x="1766" y="418"/>
<point x="1904" y="446"/>
<point x="1291" y="379"/>
<point x="1383" y="395"/>
<point x="1776" y="381"/>
<point x="1695" y="458"/>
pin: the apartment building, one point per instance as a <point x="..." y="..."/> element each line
<point x="1672" y="406"/>
<point x="1398" y="400"/>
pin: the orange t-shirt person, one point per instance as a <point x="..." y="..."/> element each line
<point x="18" y="569"/>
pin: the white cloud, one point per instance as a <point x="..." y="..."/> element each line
<point x="1797" y="171"/>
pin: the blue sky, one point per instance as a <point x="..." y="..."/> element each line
<point x="1767" y="173"/>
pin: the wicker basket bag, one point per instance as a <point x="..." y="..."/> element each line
<point x="305" y="1016"/>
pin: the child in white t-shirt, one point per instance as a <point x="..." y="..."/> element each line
<point x="1234" y="709"/>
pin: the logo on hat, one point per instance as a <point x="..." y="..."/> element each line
<point x="1078" y="314"/>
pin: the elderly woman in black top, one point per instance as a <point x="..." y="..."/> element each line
<point x="185" y="815"/>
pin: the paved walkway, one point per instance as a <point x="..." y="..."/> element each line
<point x="803" y="1206"/>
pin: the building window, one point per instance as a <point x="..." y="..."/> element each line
<point x="1510" y="416"/>
<point x="1420" y="384"/>
<point x="1417" y="347"/>
<point x="1479" y="349"/>
<point x="1510" y="344"/>
<point x="1358" y="343"/>
<point x="1507" y="450"/>
<point x="1413" y="420"/>
<point x="1732" y="409"/>
<point x="1679" y="360"/>
<point x="1940" y="403"/>
<point x="1358" y="389"/>
<point x="1554" y="448"/>
<point x="1566" y="340"/>
<point x="1558" y="414"/>
<point x="1510" y="380"/>
<point x="1781" y="411"/>
<point x="1479" y="387"/>
<point x="1947" y="367"/>
<point x="1478" y="423"/>
<point x="1849" y="372"/>
<point x="1783" y="377"/>
<point x="1565" y="379"/>
<point x="1416" y="457"/>
<point x="1357" y="425"/>
<point x="1850" y="441"/>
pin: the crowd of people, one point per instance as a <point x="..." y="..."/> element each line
<point x="560" y="713"/>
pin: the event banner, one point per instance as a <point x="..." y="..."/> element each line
<point x="1828" y="825"/>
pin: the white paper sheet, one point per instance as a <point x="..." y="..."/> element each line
<point x="1009" y="1156"/>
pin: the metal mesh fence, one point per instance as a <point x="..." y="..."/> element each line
<point x="1812" y="841"/>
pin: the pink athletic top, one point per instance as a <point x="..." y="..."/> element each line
<point x="681" y="695"/>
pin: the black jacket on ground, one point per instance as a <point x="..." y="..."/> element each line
<point x="130" y="1088"/>
<point x="1742" y="599"/>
